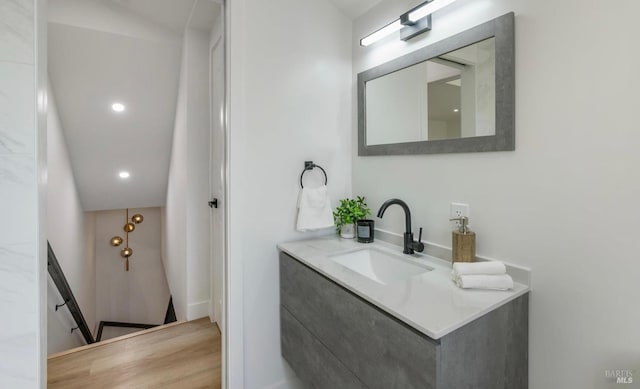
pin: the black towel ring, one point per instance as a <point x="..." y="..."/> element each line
<point x="309" y="165"/>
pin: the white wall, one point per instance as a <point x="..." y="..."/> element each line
<point x="187" y="229"/>
<point x="561" y="203"/>
<point x="23" y="277"/>
<point x="174" y="218"/>
<point x="60" y="323"/>
<point x="67" y="232"/>
<point x="290" y="101"/>
<point x="140" y="295"/>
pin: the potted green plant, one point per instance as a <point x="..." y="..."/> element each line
<point x="348" y="213"/>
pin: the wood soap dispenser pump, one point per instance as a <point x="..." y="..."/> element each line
<point x="463" y="244"/>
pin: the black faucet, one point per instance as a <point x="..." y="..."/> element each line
<point x="409" y="244"/>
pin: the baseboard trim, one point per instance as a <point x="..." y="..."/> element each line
<point x="122" y="324"/>
<point x="198" y="310"/>
<point x="287" y="383"/>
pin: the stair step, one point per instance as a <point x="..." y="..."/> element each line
<point x="177" y="355"/>
<point x="113" y="340"/>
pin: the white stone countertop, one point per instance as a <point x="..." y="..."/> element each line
<point x="430" y="302"/>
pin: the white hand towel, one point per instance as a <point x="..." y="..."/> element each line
<point x="314" y="209"/>
<point x="490" y="267"/>
<point x="478" y="281"/>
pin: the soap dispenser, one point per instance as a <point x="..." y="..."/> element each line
<point x="463" y="244"/>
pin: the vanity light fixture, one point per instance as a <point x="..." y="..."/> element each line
<point x="124" y="174"/>
<point x="381" y="33"/>
<point x="427" y="8"/>
<point x="411" y="23"/>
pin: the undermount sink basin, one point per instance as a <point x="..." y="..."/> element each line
<point x="380" y="266"/>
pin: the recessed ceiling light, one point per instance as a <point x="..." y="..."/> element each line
<point x="118" y="107"/>
<point x="456" y="110"/>
<point x="124" y="174"/>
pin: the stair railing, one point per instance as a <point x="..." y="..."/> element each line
<point x="55" y="271"/>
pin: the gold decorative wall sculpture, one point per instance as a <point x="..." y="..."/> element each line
<point x="129" y="226"/>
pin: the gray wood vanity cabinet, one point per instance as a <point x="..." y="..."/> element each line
<point x="335" y="339"/>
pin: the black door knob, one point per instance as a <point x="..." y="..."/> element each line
<point x="213" y="203"/>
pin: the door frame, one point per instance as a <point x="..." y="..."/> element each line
<point x="233" y="341"/>
<point x="228" y="354"/>
<point x="221" y="204"/>
<point x="232" y="359"/>
<point x="221" y="40"/>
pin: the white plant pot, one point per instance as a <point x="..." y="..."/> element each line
<point x="347" y="231"/>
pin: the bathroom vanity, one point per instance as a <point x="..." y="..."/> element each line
<point x="367" y="316"/>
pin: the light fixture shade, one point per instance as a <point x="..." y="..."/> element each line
<point x="126" y="252"/>
<point x="381" y="33"/>
<point x="137" y="218"/>
<point x="411" y="24"/>
<point x="129" y="227"/>
<point x="427" y="8"/>
<point x="116" y="241"/>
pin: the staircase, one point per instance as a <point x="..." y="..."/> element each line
<point x="176" y="355"/>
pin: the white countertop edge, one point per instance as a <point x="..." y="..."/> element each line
<point x="518" y="290"/>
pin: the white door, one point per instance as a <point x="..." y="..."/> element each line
<point x="217" y="182"/>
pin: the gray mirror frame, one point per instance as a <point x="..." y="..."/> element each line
<point x="502" y="29"/>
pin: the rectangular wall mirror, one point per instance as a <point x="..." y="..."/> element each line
<point x="456" y="95"/>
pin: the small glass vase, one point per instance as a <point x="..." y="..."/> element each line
<point x="347" y="231"/>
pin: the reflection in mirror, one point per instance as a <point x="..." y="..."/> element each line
<point x="447" y="97"/>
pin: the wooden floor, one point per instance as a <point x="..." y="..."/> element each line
<point x="185" y="355"/>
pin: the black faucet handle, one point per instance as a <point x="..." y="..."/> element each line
<point x="419" y="246"/>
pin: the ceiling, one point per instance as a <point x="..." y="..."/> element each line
<point x="129" y="51"/>
<point x="354" y="8"/>
<point x="174" y="14"/>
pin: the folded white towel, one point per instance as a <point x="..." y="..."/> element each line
<point x="490" y="267"/>
<point x="478" y="281"/>
<point x="314" y="209"/>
